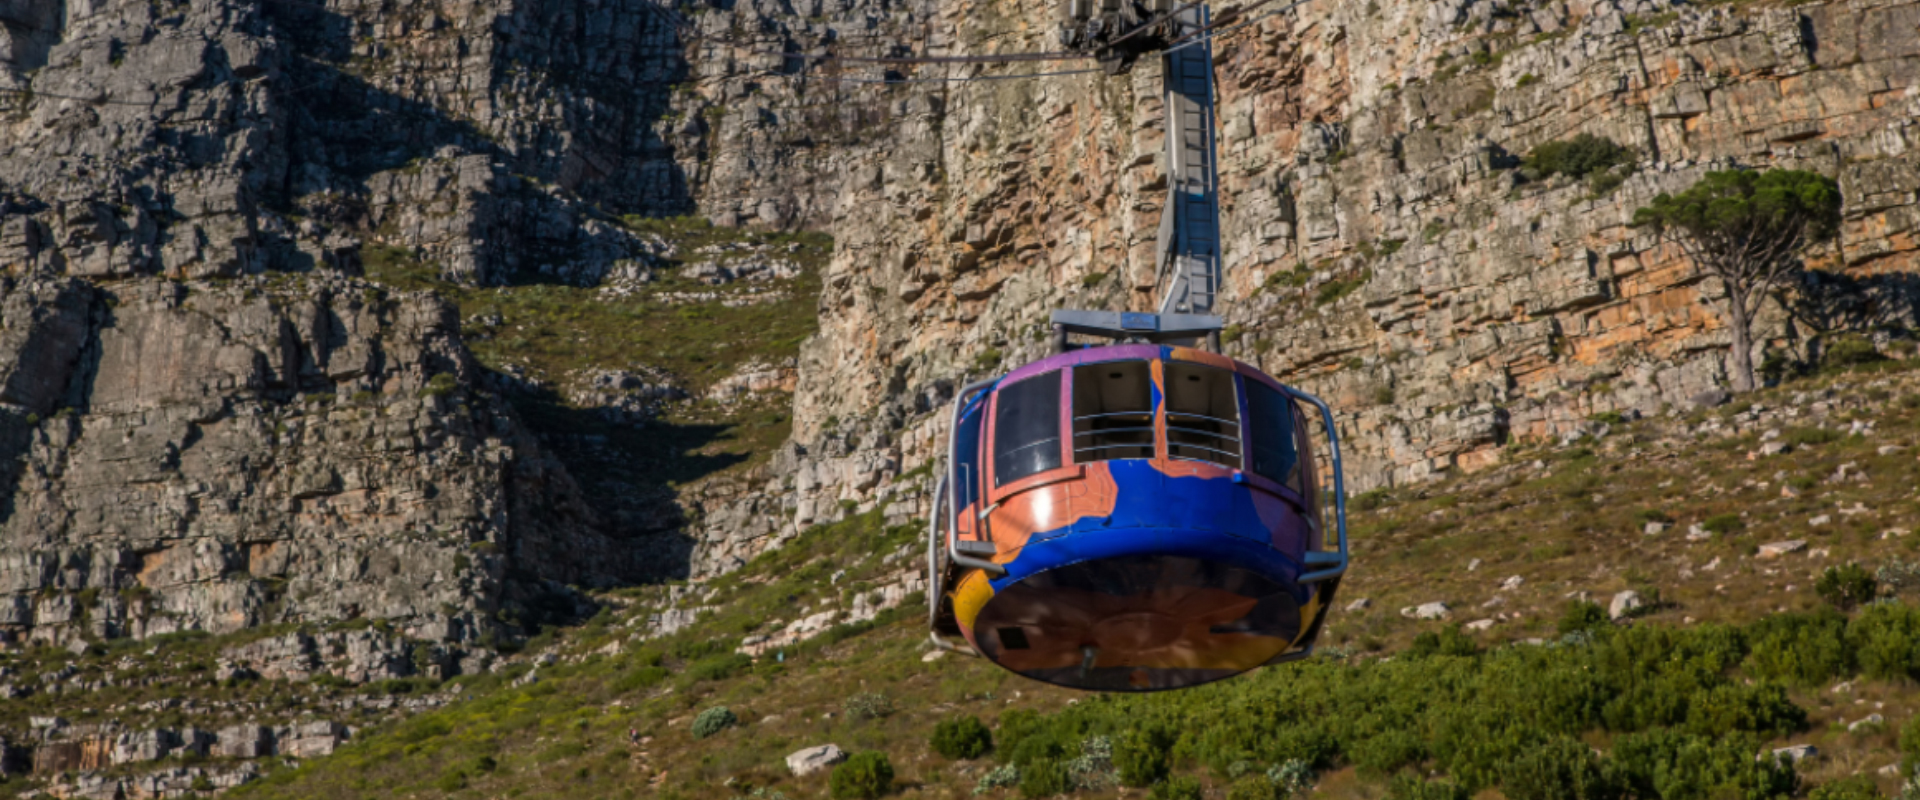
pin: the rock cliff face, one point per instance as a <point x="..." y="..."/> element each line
<point x="1382" y="250"/>
<point x="215" y="456"/>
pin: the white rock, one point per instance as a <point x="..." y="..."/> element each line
<point x="1473" y="565"/>
<point x="1711" y="565"/>
<point x="1798" y="752"/>
<point x="1479" y="625"/>
<point x="1774" y="448"/>
<point x="1434" y="610"/>
<point x="1361" y="604"/>
<point x="1512" y="582"/>
<point x="814" y="759"/>
<point x="1655" y="528"/>
<point x="1890" y="770"/>
<point x="1778" y="549"/>
<point x="1869" y="720"/>
<point x="934" y="655"/>
<point x="1820" y="520"/>
<point x="1624" y="604"/>
<point x="1696" y="533"/>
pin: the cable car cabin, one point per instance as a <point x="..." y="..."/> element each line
<point x="1135" y="517"/>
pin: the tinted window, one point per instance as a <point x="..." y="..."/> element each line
<point x="1026" y="429"/>
<point x="1113" y="411"/>
<point x="1270" y="428"/>
<point x="966" y="454"/>
<point x="1203" y="414"/>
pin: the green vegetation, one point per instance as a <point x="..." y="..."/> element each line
<point x="962" y="738"/>
<point x="713" y="721"/>
<point x="1847" y="586"/>
<point x="862" y="777"/>
<point x="1584" y="157"/>
<point x="1334" y="290"/>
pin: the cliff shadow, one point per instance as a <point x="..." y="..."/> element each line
<point x="1835" y="301"/>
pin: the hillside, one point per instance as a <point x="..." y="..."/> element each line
<point x="822" y="641"/>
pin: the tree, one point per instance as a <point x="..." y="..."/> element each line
<point x="1747" y="229"/>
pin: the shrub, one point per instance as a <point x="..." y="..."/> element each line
<point x="1141" y="755"/>
<point x="1579" y="157"/>
<point x="863" y="777"/>
<point x="962" y="738"/>
<point x="1178" y="787"/>
<point x="999" y="777"/>
<point x="1844" y="354"/>
<point x="1886" y="640"/>
<point x="1910" y="748"/>
<point x="1723" y="524"/>
<point x="1857" y="787"/>
<point x="868" y="705"/>
<point x="712" y="721"/>
<point x="1044" y="778"/>
<point x="719" y="668"/>
<point x="1407" y="787"/>
<point x="1253" y="787"/>
<point x="642" y="678"/>
<point x="1449" y="641"/>
<point x="1294" y="776"/>
<point x="1581" y="615"/>
<point x="1371" y="500"/>
<point x="1563" y="769"/>
<point x="1805" y="649"/>
<point x="1801" y="437"/>
<point x="1673" y="765"/>
<point x="1846" y="586"/>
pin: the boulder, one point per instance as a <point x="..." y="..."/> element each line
<point x="1778" y="549"/>
<point x="1624" y="604"/>
<point x="814" y="759"/>
<point x="1434" y="610"/>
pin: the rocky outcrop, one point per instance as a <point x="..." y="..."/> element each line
<point x="214" y="456"/>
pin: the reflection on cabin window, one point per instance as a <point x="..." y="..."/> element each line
<point x="1203" y="414"/>
<point x="1112" y="411"/>
<point x="1271" y="445"/>
<point x="1026" y="429"/>
<point x="966" y="456"/>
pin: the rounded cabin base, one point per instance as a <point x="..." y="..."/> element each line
<point x="1139" y="622"/>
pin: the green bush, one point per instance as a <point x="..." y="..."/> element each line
<point x="1141" y="755"/>
<point x="1449" y="641"/>
<point x="863" y="777"/>
<point x="1803" y="649"/>
<point x="1857" y="787"/>
<point x="1801" y="437"/>
<point x="642" y="678"/>
<point x="1563" y="769"/>
<point x="1674" y="765"/>
<point x="1843" y="354"/>
<point x="1407" y="787"/>
<point x="1253" y="787"/>
<point x="868" y="705"/>
<point x="1044" y="778"/>
<point x="1579" y="157"/>
<point x="1026" y="738"/>
<point x="1178" y="787"/>
<point x="1723" y="524"/>
<point x="962" y="738"/>
<point x="712" y="721"/>
<point x="1846" y="586"/>
<point x="719" y="668"/>
<point x="1910" y="748"/>
<point x="1581" y="615"/>
<point x="1886" y="641"/>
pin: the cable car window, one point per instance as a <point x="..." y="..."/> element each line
<point x="966" y="456"/>
<point x="1026" y="429"/>
<point x="1203" y="414"/>
<point x="1113" y="411"/>
<point x="1270" y="425"/>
